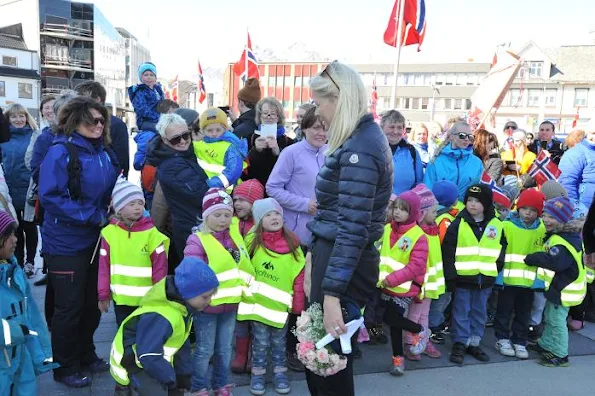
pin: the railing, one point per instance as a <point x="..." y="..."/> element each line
<point x="66" y="29"/>
<point x="67" y="62"/>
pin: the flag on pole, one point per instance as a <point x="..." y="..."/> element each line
<point x="488" y="181"/>
<point x="494" y="60"/>
<point x="413" y="26"/>
<point x="247" y="66"/>
<point x="544" y="169"/>
<point x="576" y="117"/>
<point x="173" y="89"/>
<point x="166" y="92"/>
<point x="201" y="85"/>
<point x="374" y="99"/>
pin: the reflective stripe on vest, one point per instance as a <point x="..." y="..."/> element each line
<point x="396" y="258"/>
<point x="234" y="278"/>
<point x="175" y="314"/>
<point x="473" y="258"/>
<point x="434" y="284"/>
<point x="272" y="288"/>
<point x="131" y="268"/>
<point x="590" y="274"/>
<point x="521" y="242"/>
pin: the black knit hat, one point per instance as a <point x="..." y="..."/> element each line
<point x="483" y="193"/>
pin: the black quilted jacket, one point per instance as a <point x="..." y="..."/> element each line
<point x="353" y="189"/>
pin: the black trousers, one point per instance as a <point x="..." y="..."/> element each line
<point x="291" y="340"/>
<point x="76" y="316"/>
<point x="514" y="305"/>
<point x="122" y="312"/>
<point x="340" y="384"/>
<point x="26" y="236"/>
<point x="49" y="299"/>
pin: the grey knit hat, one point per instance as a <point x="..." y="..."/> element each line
<point x="552" y="189"/>
<point x="188" y="115"/>
<point x="263" y="206"/>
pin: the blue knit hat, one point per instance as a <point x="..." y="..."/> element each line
<point x="147" y="66"/>
<point x="194" y="277"/>
<point x="560" y="208"/>
<point x="446" y="193"/>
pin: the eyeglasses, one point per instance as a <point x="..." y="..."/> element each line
<point x="326" y="71"/>
<point x="270" y="115"/>
<point x="463" y="136"/>
<point x="98" y="120"/>
<point x="178" y="138"/>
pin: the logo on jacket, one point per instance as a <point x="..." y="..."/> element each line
<point x="145" y="249"/>
<point x="211" y="153"/>
<point x="268" y="266"/>
<point x="354" y="159"/>
<point x="491" y="232"/>
<point x="404" y="244"/>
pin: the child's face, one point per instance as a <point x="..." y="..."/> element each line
<point x="528" y="214"/>
<point x="272" y="221"/>
<point x="502" y="210"/>
<point x="430" y="215"/>
<point x="201" y="302"/>
<point x="7" y="250"/>
<point x="148" y="78"/>
<point x="243" y="208"/>
<point x="213" y="130"/>
<point x="133" y="210"/>
<point x="219" y="220"/>
<point x="474" y="207"/>
<point x="400" y="215"/>
<point x="550" y="223"/>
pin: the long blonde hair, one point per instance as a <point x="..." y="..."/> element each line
<point x="17" y="108"/>
<point x="341" y="83"/>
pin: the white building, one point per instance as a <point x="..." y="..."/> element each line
<point x="19" y="74"/>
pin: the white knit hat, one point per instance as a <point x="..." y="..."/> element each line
<point x="125" y="192"/>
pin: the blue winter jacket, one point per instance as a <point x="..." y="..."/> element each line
<point x="142" y="140"/>
<point x="460" y="166"/>
<point x="119" y="134"/>
<point x="144" y="100"/>
<point x="408" y="172"/>
<point x="578" y="173"/>
<point x="233" y="160"/>
<point x="18" y="308"/>
<point x="13" y="161"/>
<point x="40" y="149"/>
<point x="70" y="226"/>
<point x="517" y="221"/>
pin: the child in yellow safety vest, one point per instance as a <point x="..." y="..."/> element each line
<point x="473" y="254"/>
<point x="525" y="234"/>
<point x="133" y="253"/>
<point x="277" y="290"/>
<point x="403" y="262"/>
<point x="561" y="268"/>
<point x="223" y="249"/>
<point x="433" y="285"/>
<point x="220" y="153"/>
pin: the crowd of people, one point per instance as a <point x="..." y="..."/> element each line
<point x="238" y="225"/>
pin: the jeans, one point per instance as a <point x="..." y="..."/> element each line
<point x="469" y="314"/>
<point x="514" y="304"/>
<point x="437" y="308"/>
<point x="264" y="339"/>
<point x="76" y="316"/>
<point x="26" y="236"/>
<point x="537" y="309"/>
<point x="122" y="312"/>
<point x="214" y="334"/>
<point x="555" y="333"/>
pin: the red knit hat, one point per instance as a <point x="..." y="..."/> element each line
<point x="532" y="198"/>
<point x="250" y="190"/>
<point x="501" y="199"/>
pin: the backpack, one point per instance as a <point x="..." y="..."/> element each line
<point x="148" y="177"/>
<point x="413" y="153"/>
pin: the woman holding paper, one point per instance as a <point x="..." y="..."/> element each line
<point x="268" y="140"/>
<point x="352" y="191"/>
<point x="518" y="160"/>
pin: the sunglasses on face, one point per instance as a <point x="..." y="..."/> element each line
<point x="327" y="73"/>
<point x="178" y="138"/>
<point x="463" y="136"/>
<point x="98" y="120"/>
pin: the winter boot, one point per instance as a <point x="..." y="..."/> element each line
<point x="238" y="364"/>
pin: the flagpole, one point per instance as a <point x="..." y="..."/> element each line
<point x="401" y="9"/>
<point x="246" y="57"/>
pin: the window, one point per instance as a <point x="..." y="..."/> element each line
<point x="9" y="60"/>
<point x="440" y="79"/>
<point x="298" y="81"/>
<point x="447" y="104"/>
<point x="419" y="79"/>
<point x="550" y="97"/>
<point x="415" y="104"/>
<point x="2" y="88"/>
<point x="580" y="97"/>
<point x="458" y="104"/>
<point x="287" y="81"/>
<point x="535" y="68"/>
<point x="451" y="79"/>
<point x="438" y="104"/>
<point x="424" y="103"/>
<point x="473" y="79"/>
<point x="533" y="97"/>
<point x="306" y="81"/>
<point x="407" y="79"/>
<point x="405" y="103"/>
<point x="461" y="79"/>
<point x="515" y="97"/>
<point x="272" y="81"/>
<point x="25" y="91"/>
<point x="467" y="104"/>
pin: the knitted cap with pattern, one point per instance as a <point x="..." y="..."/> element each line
<point x="250" y="190"/>
<point x="5" y="221"/>
<point x="426" y="197"/>
<point x="215" y="199"/>
<point x="125" y="192"/>
<point x="560" y="208"/>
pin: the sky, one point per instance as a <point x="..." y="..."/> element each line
<point x="179" y="32"/>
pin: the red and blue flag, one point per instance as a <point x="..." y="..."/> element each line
<point x="248" y="60"/>
<point x="413" y="25"/>
<point x="201" y="85"/>
<point x="544" y="169"/>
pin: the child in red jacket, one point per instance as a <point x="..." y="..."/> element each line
<point x="403" y="262"/>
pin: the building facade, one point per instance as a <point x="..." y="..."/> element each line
<point x="19" y="73"/>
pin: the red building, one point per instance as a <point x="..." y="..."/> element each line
<point x="286" y="81"/>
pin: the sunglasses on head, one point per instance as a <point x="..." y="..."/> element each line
<point x="178" y="138"/>
<point x="463" y="135"/>
<point x="326" y="72"/>
<point x="98" y="120"/>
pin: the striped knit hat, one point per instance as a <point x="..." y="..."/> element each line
<point x="560" y="208"/>
<point x="250" y="190"/>
<point x="5" y="221"/>
<point x="125" y="192"/>
<point x="215" y="199"/>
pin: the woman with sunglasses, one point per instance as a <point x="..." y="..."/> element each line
<point x="454" y="160"/>
<point x="76" y="179"/>
<point x="352" y="193"/>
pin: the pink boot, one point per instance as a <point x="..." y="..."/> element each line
<point x="574" y="325"/>
<point x="432" y="351"/>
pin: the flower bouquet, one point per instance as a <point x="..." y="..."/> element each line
<point x="309" y="330"/>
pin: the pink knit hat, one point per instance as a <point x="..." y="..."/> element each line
<point x="215" y="199"/>
<point x="426" y="197"/>
<point x="5" y="221"/>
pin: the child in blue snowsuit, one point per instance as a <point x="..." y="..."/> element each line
<point x="25" y="349"/>
<point x="144" y="98"/>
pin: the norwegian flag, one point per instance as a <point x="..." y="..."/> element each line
<point x="374" y="100"/>
<point x="173" y="89"/>
<point x="488" y="181"/>
<point x="201" y="85"/>
<point x="413" y="25"/>
<point x="248" y="60"/>
<point x="544" y="169"/>
<point x="510" y="143"/>
<point x="576" y="117"/>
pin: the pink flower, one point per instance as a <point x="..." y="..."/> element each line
<point x="304" y="347"/>
<point x="311" y="357"/>
<point x="334" y="359"/>
<point x="329" y="372"/>
<point x="322" y="356"/>
<point x="301" y="337"/>
<point x="303" y="321"/>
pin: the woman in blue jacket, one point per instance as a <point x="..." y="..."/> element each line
<point x="76" y="199"/>
<point x="454" y="160"/>
<point x="17" y="176"/>
<point x="578" y="171"/>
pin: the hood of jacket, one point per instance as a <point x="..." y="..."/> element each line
<point x="517" y="221"/>
<point x="571" y="232"/>
<point x="457" y="153"/>
<point x="414" y="206"/>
